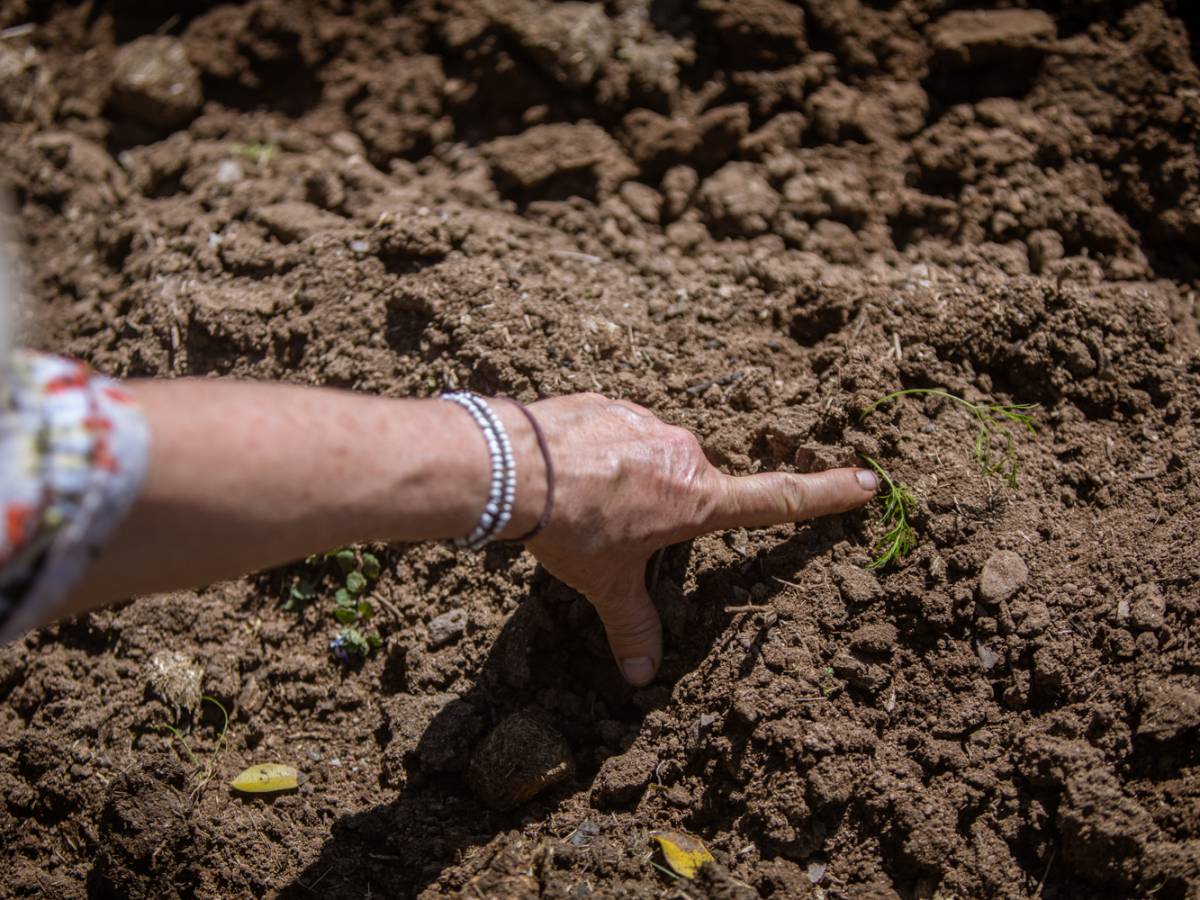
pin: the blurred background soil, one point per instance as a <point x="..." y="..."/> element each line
<point x="755" y="218"/>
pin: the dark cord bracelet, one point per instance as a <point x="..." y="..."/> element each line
<point x="545" y="448"/>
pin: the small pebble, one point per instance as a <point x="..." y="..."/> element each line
<point x="229" y="171"/>
<point x="447" y="628"/>
<point x="987" y="656"/>
<point x="1003" y="575"/>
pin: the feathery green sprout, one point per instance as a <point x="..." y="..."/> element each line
<point x="899" y="539"/>
<point x="993" y="420"/>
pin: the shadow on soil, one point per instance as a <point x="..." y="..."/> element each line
<point x="550" y="661"/>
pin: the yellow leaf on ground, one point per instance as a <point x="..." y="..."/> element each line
<point x="266" y="778"/>
<point x="684" y="854"/>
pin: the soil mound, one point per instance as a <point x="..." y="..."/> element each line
<point x="755" y="218"/>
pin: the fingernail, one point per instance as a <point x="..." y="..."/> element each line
<point x="638" y="670"/>
<point x="867" y="480"/>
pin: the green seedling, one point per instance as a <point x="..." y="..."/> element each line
<point x="994" y="425"/>
<point x="259" y="154"/>
<point x="204" y="770"/>
<point x="351" y="642"/>
<point x="353" y="571"/>
<point x="899" y="537"/>
<point x="993" y="421"/>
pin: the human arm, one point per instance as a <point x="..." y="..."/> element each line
<point x="242" y="476"/>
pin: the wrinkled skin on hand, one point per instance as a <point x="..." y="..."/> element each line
<point x="628" y="484"/>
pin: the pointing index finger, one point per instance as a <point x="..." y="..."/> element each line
<point x="776" y="498"/>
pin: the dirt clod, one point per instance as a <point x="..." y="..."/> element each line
<point x="570" y="40"/>
<point x="517" y="760"/>
<point x="175" y="679"/>
<point x="154" y="80"/>
<point x="622" y="779"/>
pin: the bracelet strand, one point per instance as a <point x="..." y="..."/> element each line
<point x="545" y="449"/>
<point x="502" y="490"/>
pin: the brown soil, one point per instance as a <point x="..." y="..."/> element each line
<point x="753" y="217"/>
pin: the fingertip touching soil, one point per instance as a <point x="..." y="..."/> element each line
<point x="753" y="217"/>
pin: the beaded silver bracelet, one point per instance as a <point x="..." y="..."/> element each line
<point x="502" y="492"/>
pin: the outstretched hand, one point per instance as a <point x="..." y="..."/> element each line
<point x="628" y="484"/>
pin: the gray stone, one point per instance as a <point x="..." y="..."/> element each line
<point x="447" y="628"/>
<point x="1003" y="575"/>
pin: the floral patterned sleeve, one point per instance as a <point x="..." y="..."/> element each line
<point x="73" y="451"/>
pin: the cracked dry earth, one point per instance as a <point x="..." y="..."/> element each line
<point x="755" y="218"/>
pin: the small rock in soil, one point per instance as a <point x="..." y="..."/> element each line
<point x="519" y="758"/>
<point x="987" y="656"/>
<point x="155" y="81"/>
<point x="447" y="628"/>
<point x="621" y="779"/>
<point x="229" y="172"/>
<point x="1003" y="575"/>
<point x="583" y="833"/>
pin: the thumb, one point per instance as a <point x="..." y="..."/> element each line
<point x="633" y="629"/>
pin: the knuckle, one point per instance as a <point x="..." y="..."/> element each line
<point x="683" y="439"/>
<point x="797" y="497"/>
<point x="631" y="625"/>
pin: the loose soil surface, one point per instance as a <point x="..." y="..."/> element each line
<point x="754" y="217"/>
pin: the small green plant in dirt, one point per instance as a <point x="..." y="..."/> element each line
<point x="204" y="771"/>
<point x="899" y="537"/>
<point x="257" y="153"/>
<point x="353" y="572"/>
<point x="994" y="422"/>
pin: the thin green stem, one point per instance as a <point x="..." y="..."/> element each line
<point x="899" y="538"/>
<point x="991" y="418"/>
